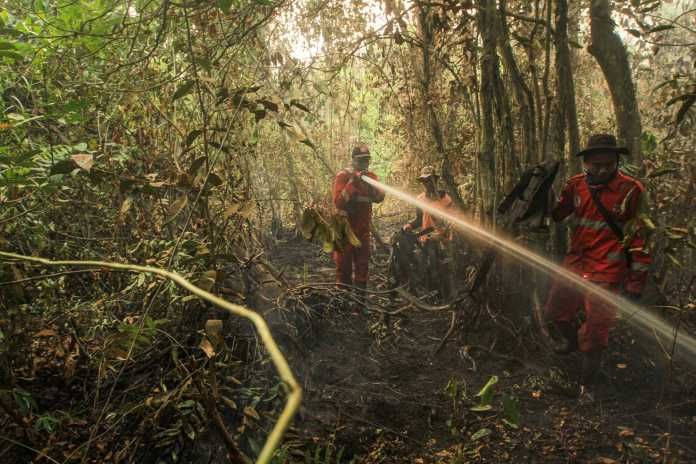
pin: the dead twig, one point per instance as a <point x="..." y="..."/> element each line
<point x="447" y="335"/>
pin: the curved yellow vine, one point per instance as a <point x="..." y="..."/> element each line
<point x="295" y="391"/>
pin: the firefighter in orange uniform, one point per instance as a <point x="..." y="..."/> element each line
<point x="602" y="201"/>
<point x="436" y="234"/>
<point x="353" y="198"/>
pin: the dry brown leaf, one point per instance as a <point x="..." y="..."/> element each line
<point x="251" y="412"/>
<point x="232" y="210"/>
<point x="83" y="161"/>
<point x="247" y="210"/>
<point x="213" y="330"/>
<point x="46" y="333"/>
<point x="626" y="432"/>
<point x="229" y="402"/>
<point x="176" y="207"/>
<point x="213" y="327"/>
<point x="207" y="347"/>
<point x="125" y="206"/>
<point x="207" y="280"/>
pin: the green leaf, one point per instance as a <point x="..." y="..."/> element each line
<point x="300" y="106"/>
<point x="481" y="408"/>
<point x="191" y="137"/>
<point x="264" y="2"/>
<point x="184" y="89"/>
<point x="254" y="446"/>
<point x="684" y="109"/>
<point x="308" y="143"/>
<point x="7" y="46"/>
<point x="648" y="142"/>
<point x="47" y="423"/>
<point x="219" y="146"/>
<point x="673" y="100"/>
<point x="225" y="5"/>
<point x="63" y="167"/>
<point x="269" y="105"/>
<point x="662" y="172"/>
<point x="21" y="120"/>
<point x="670" y="82"/>
<point x="480" y="434"/>
<point x="10" y="54"/>
<point x="647" y="221"/>
<point x="214" y="179"/>
<point x="486" y="393"/>
<point x="10" y="31"/>
<point x="511" y="411"/>
<point x="674" y="259"/>
<point x="662" y="27"/>
<point x="197" y="163"/>
<point x="204" y="63"/>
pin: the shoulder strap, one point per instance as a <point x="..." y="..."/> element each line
<point x="605" y="214"/>
<point x="611" y="223"/>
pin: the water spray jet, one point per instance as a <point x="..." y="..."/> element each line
<point x="649" y="324"/>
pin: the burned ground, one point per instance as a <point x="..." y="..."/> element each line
<point x="384" y="388"/>
<point x="387" y="378"/>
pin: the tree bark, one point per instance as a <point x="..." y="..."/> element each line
<point x="489" y="63"/>
<point x="523" y="95"/>
<point x="294" y="191"/>
<point x="565" y="87"/>
<point x="426" y="30"/>
<point x="548" y="99"/>
<point x="507" y="156"/>
<point x="609" y="51"/>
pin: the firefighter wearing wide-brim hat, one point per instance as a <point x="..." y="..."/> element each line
<point x="602" y="201"/>
<point x="438" y="198"/>
<point x="437" y="232"/>
<point x="353" y="198"/>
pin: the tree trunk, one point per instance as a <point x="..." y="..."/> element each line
<point x="565" y="87"/>
<point x="294" y="191"/>
<point x="609" y="51"/>
<point x="507" y="156"/>
<point x="426" y="30"/>
<point x="548" y="103"/>
<point x="573" y="34"/>
<point x="523" y="95"/>
<point x="489" y="63"/>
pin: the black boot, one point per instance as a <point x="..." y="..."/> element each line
<point x="569" y="339"/>
<point x="591" y="364"/>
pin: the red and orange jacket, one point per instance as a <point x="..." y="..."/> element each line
<point x="354" y="198"/>
<point x="425" y="220"/>
<point x="595" y="251"/>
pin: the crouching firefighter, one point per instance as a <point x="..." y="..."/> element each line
<point x="353" y="198"/>
<point x="604" y="203"/>
<point x="435" y="234"/>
